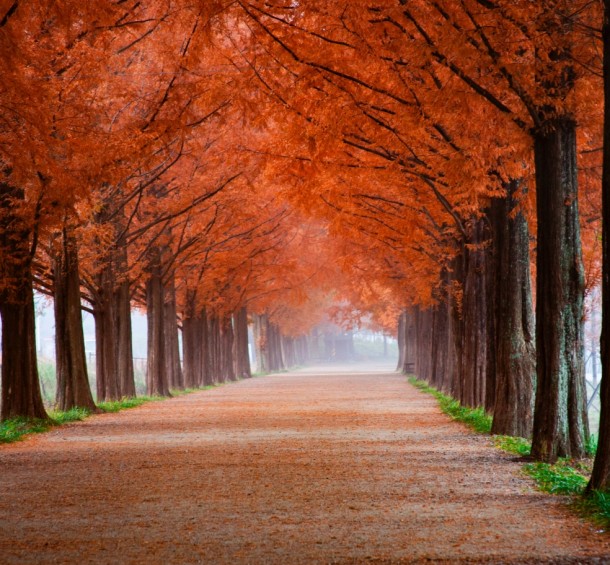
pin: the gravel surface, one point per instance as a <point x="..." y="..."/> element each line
<point x="295" y="468"/>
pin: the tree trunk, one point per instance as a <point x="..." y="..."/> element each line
<point x="192" y="338"/>
<point x="423" y="358"/>
<point x="172" y="342"/>
<point x="106" y="378"/>
<point x="156" y="375"/>
<point x="560" y="418"/>
<point x="410" y="347"/>
<point x="473" y="356"/>
<point x="261" y="342"/>
<point x="242" y="356"/>
<point x="21" y="396"/>
<point x="438" y="345"/>
<point x="114" y="372"/>
<point x="276" y="360"/>
<point x="400" y="339"/>
<point x="600" y="477"/>
<point x="124" y="341"/>
<point x="227" y="346"/>
<point x="73" y="388"/>
<point x="214" y="351"/>
<point x="515" y="364"/>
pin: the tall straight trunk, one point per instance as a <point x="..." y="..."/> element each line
<point x="227" y="348"/>
<point x="400" y="340"/>
<point x="491" y="323"/>
<point x="172" y="342"/>
<point x="191" y="351"/>
<point x="214" y="351"/>
<point x="600" y="477"/>
<point x="122" y="316"/>
<point x="192" y="337"/>
<point x="106" y="377"/>
<point x="474" y="342"/>
<point x="410" y="342"/>
<point x="439" y="345"/>
<point x="456" y="349"/>
<point x="114" y="371"/>
<point x="206" y="345"/>
<point x="156" y="368"/>
<point x="442" y="339"/>
<point x="276" y="360"/>
<point x="261" y="342"/>
<point x="423" y="358"/>
<point x="560" y="417"/>
<point x="515" y="360"/>
<point x="242" y="356"/>
<point x="288" y="352"/>
<point x="73" y="388"/>
<point x="124" y="341"/>
<point x="21" y="396"/>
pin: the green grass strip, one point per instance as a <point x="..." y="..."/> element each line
<point x="17" y="428"/>
<point x="475" y="418"/>
<point x="517" y="445"/>
<point x="560" y="478"/>
<point x="126" y="403"/>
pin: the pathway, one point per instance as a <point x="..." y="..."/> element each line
<point x="297" y="468"/>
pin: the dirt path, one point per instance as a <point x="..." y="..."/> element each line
<point x="298" y="468"/>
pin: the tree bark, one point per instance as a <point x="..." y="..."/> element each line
<point x="515" y="360"/>
<point x="214" y="351"/>
<point x="172" y="343"/>
<point x="423" y="358"/>
<point x="261" y="342"/>
<point x="242" y="356"/>
<point x="400" y="339"/>
<point x="410" y="342"/>
<point x="600" y="477"/>
<point x="192" y="338"/>
<point x="21" y="396"/>
<point x="106" y="377"/>
<point x="560" y="418"/>
<point x="73" y="388"/>
<point x="473" y="356"/>
<point x="276" y="360"/>
<point x="124" y="340"/>
<point x="156" y="368"/>
<point x="227" y="348"/>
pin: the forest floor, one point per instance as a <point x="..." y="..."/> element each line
<point x="294" y="468"/>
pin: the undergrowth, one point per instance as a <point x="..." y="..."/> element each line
<point x="566" y="477"/>
<point x="15" y="428"/>
<point x="561" y="478"/>
<point x="124" y="403"/>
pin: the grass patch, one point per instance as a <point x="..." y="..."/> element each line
<point x="475" y="418"/>
<point x="73" y="415"/>
<point x="595" y="506"/>
<point x="16" y="428"/>
<point x="125" y="403"/>
<point x="516" y="445"/>
<point x="560" y="478"/>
